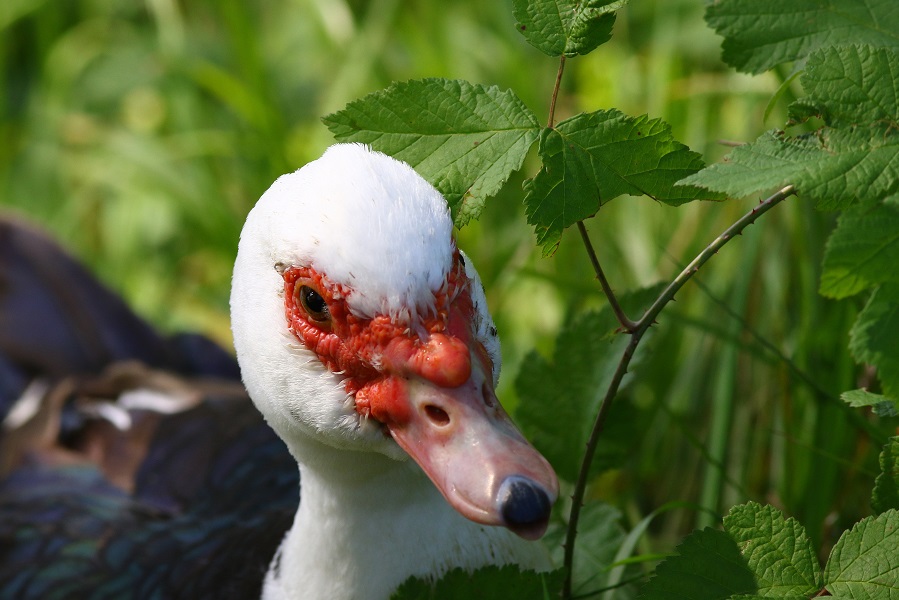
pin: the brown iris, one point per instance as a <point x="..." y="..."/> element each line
<point x="314" y="304"/>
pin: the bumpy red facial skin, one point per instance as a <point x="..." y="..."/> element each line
<point x="429" y="383"/>
<point x="371" y="353"/>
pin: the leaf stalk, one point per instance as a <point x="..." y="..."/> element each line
<point x="551" y="121"/>
<point x="628" y="325"/>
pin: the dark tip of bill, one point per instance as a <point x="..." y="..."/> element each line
<point x="525" y="507"/>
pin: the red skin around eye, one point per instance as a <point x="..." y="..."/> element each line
<point x="428" y="384"/>
<point x="367" y="351"/>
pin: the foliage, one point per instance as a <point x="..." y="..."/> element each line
<point x="566" y="28"/>
<point x="761" y="554"/>
<point x="492" y="582"/>
<point x="886" y="486"/>
<point x="591" y="158"/>
<point x="465" y="138"/>
<point x="560" y="397"/>
<point x="849" y="163"/>
<point x="141" y="132"/>
<point x="760" y="34"/>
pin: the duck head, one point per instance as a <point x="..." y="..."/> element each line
<point x="360" y="325"/>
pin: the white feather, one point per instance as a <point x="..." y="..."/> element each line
<point x="369" y="222"/>
<point x="369" y="517"/>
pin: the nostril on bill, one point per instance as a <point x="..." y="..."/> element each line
<point x="487" y="393"/>
<point x="525" y="506"/>
<point x="437" y="415"/>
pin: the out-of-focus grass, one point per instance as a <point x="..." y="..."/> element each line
<point x="140" y="133"/>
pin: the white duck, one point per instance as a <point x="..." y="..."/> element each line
<point x="363" y="337"/>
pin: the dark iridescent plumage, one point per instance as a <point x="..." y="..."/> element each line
<point x="191" y="505"/>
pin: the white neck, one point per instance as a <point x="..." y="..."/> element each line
<point x="367" y="522"/>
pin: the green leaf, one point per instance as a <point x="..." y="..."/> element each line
<point x="836" y="168"/>
<point x="600" y="534"/>
<point x="881" y="405"/>
<point x="776" y="550"/>
<point x="592" y="158"/>
<point x="559" y="398"/>
<point x="756" y="597"/>
<point x="874" y="338"/>
<point x="853" y="85"/>
<point x="599" y="537"/>
<point x="464" y="138"/>
<point x="707" y="566"/>
<point x="759" y="34"/>
<point x="863" y="251"/>
<point x="886" y="486"/>
<point x="566" y="27"/>
<point x="864" y="563"/>
<point x="856" y="161"/>
<point x="760" y="554"/>
<point x="484" y="584"/>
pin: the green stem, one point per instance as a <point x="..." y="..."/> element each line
<point x="552" y="103"/>
<point x="626" y="323"/>
<point x="641" y="327"/>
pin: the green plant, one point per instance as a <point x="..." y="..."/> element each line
<point x="140" y="132"/>
<point x="468" y="139"/>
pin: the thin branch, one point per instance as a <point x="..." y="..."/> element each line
<point x="703" y="257"/>
<point x="641" y="327"/>
<point x="577" y="498"/>
<point x="552" y="104"/>
<point x="628" y="325"/>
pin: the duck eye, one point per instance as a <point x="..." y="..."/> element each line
<point x="314" y="305"/>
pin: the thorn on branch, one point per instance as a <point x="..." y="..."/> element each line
<point x="640" y="327"/>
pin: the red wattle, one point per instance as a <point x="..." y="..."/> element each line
<point x="386" y="400"/>
<point x="443" y="360"/>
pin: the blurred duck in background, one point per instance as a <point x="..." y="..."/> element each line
<point x="136" y="465"/>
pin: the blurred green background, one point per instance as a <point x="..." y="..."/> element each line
<point x="140" y="132"/>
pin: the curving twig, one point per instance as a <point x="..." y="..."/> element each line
<point x="640" y="328"/>
<point x="626" y="324"/>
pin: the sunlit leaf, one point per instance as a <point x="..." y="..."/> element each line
<point x="465" y="138"/>
<point x="853" y="84"/>
<point x="568" y="27"/>
<point x="836" y="168"/>
<point x="759" y="34"/>
<point x="593" y="158"/>
<point x="776" y="549"/>
<point x="881" y="405"/>
<point x="760" y="554"/>
<point x="864" y="563"/>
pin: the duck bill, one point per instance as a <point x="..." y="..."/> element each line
<point x="469" y="447"/>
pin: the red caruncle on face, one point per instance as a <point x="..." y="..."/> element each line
<point x="371" y="352"/>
